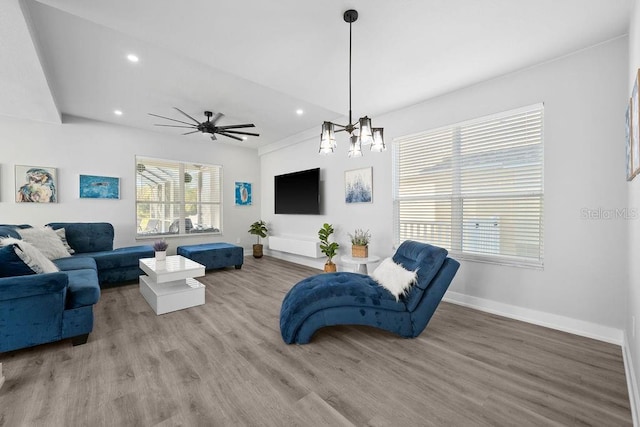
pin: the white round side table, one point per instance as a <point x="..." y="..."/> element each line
<point x="361" y="263"/>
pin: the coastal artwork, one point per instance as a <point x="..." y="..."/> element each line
<point x="36" y="184"/>
<point x="243" y="193"/>
<point x="99" y="187"/>
<point x="358" y="185"/>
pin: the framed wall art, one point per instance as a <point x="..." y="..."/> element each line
<point x="634" y="113"/>
<point x="36" y="184"/>
<point x="99" y="187"/>
<point x="243" y="194"/>
<point x="358" y="185"/>
<point x="628" y="157"/>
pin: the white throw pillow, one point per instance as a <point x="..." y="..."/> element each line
<point x="62" y="234"/>
<point x="394" y="278"/>
<point x="46" y="240"/>
<point x="31" y="256"/>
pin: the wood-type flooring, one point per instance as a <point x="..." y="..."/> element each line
<point x="224" y="363"/>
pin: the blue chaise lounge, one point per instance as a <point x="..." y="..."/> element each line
<point x="356" y="299"/>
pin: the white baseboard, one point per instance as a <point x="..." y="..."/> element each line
<point x="632" y="384"/>
<point x="553" y="321"/>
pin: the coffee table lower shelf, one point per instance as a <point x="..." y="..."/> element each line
<point x="171" y="296"/>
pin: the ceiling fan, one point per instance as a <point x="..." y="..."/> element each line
<point x="209" y="126"/>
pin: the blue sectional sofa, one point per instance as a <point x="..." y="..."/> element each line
<point x="95" y="240"/>
<point x="41" y="308"/>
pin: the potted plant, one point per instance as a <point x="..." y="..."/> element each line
<point x="160" y="246"/>
<point x="360" y="243"/>
<point x="329" y="249"/>
<point x="259" y="229"/>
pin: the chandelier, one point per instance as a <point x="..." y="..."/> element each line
<point x="367" y="135"/>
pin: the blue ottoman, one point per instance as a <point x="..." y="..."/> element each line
<point x="214" y="255"/>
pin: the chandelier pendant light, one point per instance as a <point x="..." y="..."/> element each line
<point x="367" y="135"/>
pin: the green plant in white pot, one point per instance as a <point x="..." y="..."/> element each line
<point x="258" y="229"/>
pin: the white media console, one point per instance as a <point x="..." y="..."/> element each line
<point x="305" y="246"/>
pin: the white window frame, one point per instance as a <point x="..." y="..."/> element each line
<point x="456" y="227"/>
<point x="182" y="166"/>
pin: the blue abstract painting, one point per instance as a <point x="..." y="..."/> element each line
<point x="99" y="187"/>
<point x="243" y="193"/>
<point x="358" y="185"/>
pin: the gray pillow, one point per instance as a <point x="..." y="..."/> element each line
<point x="46" y="240"/>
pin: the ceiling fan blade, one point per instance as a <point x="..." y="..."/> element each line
<point x="229" y="136"/>
<point x="168" y="118"/>
<point x="247" y="125"/>
<point x="237" y="132"/>
<point x="188" y="133"/>
<point x="197" y="122"/>
<point x="177" y="126"/>
<point x="216" y="118"/>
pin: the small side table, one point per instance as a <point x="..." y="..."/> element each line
<point x="361" y="263"/>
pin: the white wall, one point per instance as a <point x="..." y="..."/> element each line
<point x="582" y="286"/>
<point x="633" y="189"/>
<point x="81" y="146"/>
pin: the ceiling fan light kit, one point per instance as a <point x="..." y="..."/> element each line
<point x="367" y="134"/>
<point x="209" y="127"/>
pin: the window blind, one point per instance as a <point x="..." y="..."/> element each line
<point x="177" y="198"/>
<point x="475" y="188"/>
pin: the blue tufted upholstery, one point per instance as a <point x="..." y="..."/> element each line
<point x="95" y="240"/>
<point x="214" y="255"/>
<point x="356" y="299"/>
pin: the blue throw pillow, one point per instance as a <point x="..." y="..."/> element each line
<point x="11" y="264"/>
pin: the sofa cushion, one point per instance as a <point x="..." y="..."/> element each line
<point x="425" y="258"/>
<point x="46" y="240"/>
<point x="9" y="231"/>
<point x="30" y="255"/>
<point x="75" y="263"/>
<point x="83" y="288"/>
<point x="121" y="257"/>
<point x="11" y="264"/>
<point x="85" y="237"/>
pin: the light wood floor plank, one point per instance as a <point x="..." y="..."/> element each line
<point x="224" y="363"/>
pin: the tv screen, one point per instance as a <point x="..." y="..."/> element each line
<point x="298" y="192"/>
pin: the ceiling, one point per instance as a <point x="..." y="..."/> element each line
<point x="259" y="61"/>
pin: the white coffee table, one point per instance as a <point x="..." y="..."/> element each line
<point x="361" y="263"/>
<point x="170" y="285"/>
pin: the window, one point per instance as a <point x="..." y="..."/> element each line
<point x="475" y="188"/>
<point x="177" y="198"/>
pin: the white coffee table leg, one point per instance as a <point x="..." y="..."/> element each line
<point x="362" y="269"/>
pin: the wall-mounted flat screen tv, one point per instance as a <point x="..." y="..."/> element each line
<point x="298" y="192"/>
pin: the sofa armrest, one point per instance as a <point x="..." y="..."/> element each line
<point x="32" y="285"/>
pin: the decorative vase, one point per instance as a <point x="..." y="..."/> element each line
<point x="161" y="255"/>
<point x="330" y="267"/>
<point x="257" y="250"/>
<point x="358" y="251"/>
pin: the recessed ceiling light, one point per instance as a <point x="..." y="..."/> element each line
<point x="299" y="112"/>
<point x="117" y="112"/>
<point x="133" y="58"/>
<point x="244" y="138"/>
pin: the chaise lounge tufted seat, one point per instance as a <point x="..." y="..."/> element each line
<point x="356" y="299"/>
